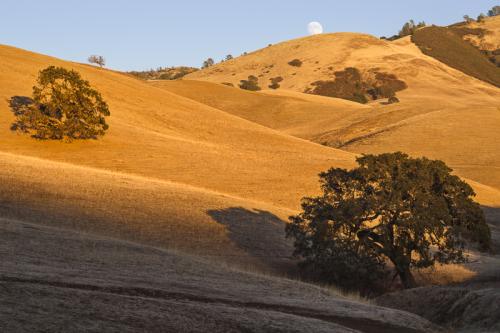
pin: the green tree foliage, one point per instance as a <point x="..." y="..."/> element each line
<point x="251" y="84"/>
<point x="63" y="106"/>
<point x="410" y="211"/>
<point x="229" y="57"/>
<point x="410" y="27"/>
<point x="208" y="63"/>
<point x="481" y="18"/>
<point x="495" y="11"/>
<point x="468" y="19"/>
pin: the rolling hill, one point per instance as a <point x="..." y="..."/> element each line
<point x="443" y="114"/>
<point x="323" y="55"/>
<point x="158" y="142"/>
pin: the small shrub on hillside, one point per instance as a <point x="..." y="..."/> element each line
<point x="63" y="106"/>
<point x="295" y="63"/>
<point x="229" y="84"/>
<point x="252" y="83"/>
<point x="275" y="82"/>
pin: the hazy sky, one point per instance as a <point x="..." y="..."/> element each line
<point x="150" y="33"/>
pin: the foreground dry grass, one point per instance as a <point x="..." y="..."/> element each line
<point x="70" y="281"/>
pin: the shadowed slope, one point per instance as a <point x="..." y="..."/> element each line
<point x="97" y="284"/>
<point x="450" y="48"/>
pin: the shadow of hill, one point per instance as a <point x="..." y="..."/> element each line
<point x="259" y="233"/>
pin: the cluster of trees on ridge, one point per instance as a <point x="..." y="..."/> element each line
<point x="410" y="27"/>
<point x="359" y="87"/>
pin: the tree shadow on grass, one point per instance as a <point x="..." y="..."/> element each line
<point x="19" y="105"/>
<point x="493" y="219"/>
<point x="259" y="233"/>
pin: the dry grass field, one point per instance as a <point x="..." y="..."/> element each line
<point x="75" y="281"/>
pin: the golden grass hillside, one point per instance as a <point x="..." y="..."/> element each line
<point x="322" y="55"/>
<point x="458" y="129"/>
<point x="443" y="114"/>
<point x="194" y="175"/>
<point x="301" y="115"/>
<point x="491" y="39"/>
<point x="161" y="135"/>
<point x="170" y="171"/>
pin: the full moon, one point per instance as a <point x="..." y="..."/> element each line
<point x="315" y="28"/>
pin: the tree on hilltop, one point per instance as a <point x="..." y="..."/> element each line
<point x="208" y="63"/>
<point x="410" y="211"/>
<point x="98" y="60"/>
<point x="410" y="27"/>
<point x="495" y="11"/>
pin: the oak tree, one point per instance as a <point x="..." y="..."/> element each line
<point x="63" y="106"/>
<point x="411" y="212"/>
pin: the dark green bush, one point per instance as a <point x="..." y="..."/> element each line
<point x="252" y="83"/>
<point x="275" y="82"/>
<point x="295" y="63"/>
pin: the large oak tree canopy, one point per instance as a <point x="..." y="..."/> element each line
<point x="63" y="106"/>
<point x="411" y="211"/>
